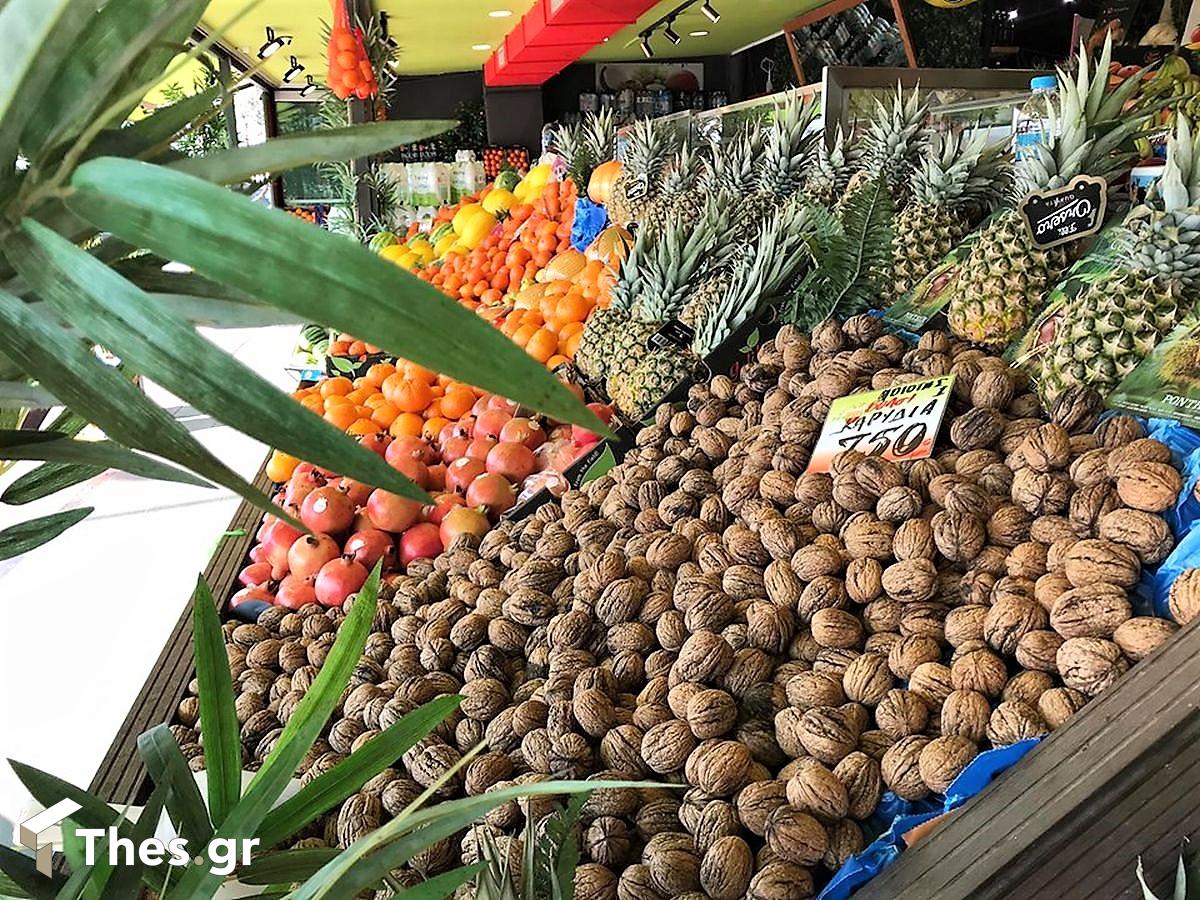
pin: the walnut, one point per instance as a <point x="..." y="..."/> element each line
<point x="756" y="801"/>
<point x="965" y="623"/>
<point x="836" y="628"/>
<point x="1184" y="597"/>
<point x="992" y="388"/>
<point x="1077" y="409"/>
<point x="942" y="759"/>
<point x="1046" y="448"/>
<point x="359" y="815"/>
<point x="781" y="880"/>
<point x="593" y="881"/>
<point x="1038" y="650"/>
<point x="859" y="775"/>
<point x="866" y="536"/>
<point x="1092" y="611"/>
<point x="1094" y="561"/>
<point x="979" y="670"/>
<point x="795" y="836"/>
<point x="726" y="869"/>
<point x="710" y="713"/>
<point x="1027" y="686"/>
<point x="672" y="863"/>
<point x="1141" y="450"/>
<point x="910" y="652"/>
<point x="1146" y="534"/>
<point x="719" y="767"/>
<point x="901" y="713"/>
<point x="1149" y="486"/>
<point x="864" y="580"/>
<point x="965" y="713"/>
<point x="1013" y="721"/>
<point x="824" y="733"/>
<point x="1090" y="665"/>
<point x="913" y="540"/>
<point x="900" y="768"/>
<point x="931" y="682"/>
<point x="1008" y="619"/>
<point x="867" y="679"/>
<point x="1142" y="635"/>
<point x="1059" y="704"/>
<point x="898" y="504"/>
<point x="910" y="581"/>
<point x="666" y="746"/>
<point x="976" y="428"/>
<point x="1009" y="525"/>
<point x="814" y="789"/>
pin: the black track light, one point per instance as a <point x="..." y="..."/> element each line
<point x="274" y="43"/>
<point x="309" y="87"/>
<point x="293" y="70"/>
<point x="647" y="50"/>
<point x="670" y="33"/>
<point x="711" y="14"/>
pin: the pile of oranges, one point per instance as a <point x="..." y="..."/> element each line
<point x="401" y="399"/>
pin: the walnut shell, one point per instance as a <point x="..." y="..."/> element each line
<point x="979" y="670"/>
<point x="1009" y="619"/>
<point x="867" y="679"/>
<point x="796" y="837"/>
<point x="726" y="869"/>
<point x="901" y="713"/>
<point x="756" y="801"/>
<point x="836" y="628"/>
<point x="1146" y="534"/>
<point x="1092" y="611"/>
<point x="1059" y="704"/>
<point x="942" y="759"/>
<point x="910" y="581"/>
<point x="1090" y="665"/>
<point x="860" y="776"/>
<point x="825" y="734"/>
<point x="1038" y="650"/>
<point x="1142" y="635"/>
<point x="1149" y="486"/>
<point x="814" y="789"/>
<point x="1046" y="448"/>
<point x="965" y="713"/>
<point x="900" y="768"/>
<point x="666" y="746"/>
<point x="1013" y="721"/>
<point x="931" y="682"/>
<point x="1094" y="561"/>
<point x="1184" y="597"/>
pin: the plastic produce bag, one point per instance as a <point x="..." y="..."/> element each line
<point x="590" y="219"/>
<point x="905" y="816"/>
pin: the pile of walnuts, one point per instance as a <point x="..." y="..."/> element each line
<point x="783" y="646"/>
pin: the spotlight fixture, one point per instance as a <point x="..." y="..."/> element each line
<point x="309" y="86"/>
<point x="274" y="43"/>
<point x="647" y="50"/>
<point x="711" y="14"/>
<point x="700" y="33"/>
<point x="293" y="70"/>
<point x="670" y="33"/>
<point x="1012" y="15"/>
<point x="385" y="31"/>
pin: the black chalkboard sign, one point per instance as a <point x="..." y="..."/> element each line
<point x="673" y="333"/>
<point x="1067" y="214"/>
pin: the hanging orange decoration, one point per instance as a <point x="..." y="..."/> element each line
<point x="350" y="72"/>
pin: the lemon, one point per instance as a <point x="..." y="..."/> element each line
<point x="393" y="252"/>
<point x="499" y="201"/>
<point x="464" y="215"/>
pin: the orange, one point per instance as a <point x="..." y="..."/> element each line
<point x="361" y="382"/>
<point x="555" y="361"/>
<point x="375" y="401"/>
<point x="390" y="384"/>
<point x="385" y="414"/>
<point x="541" y="345"/>
<point x="363" y="426"/>
<point x="522" y="335"/>
<point x="407" y="424"/>
<point x="412" y="395"/>
<point x="457" y="402"/>
<point x="358" y="395"/>
<point x="314" y="404"/>
<point x="281" y="466"/>
<point x="433" y="427"/>
<point x="378" y="372"/>
<point x="572" y="307"/>
<point x="337" y="400"/>
<point x="419" y="373"/>
<point x="571" y="344"/>
<point x="341" y="416"/>
<point x="434" y="409"/>
<point x="336" y="387"/>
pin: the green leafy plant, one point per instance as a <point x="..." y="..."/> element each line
<point x="1187" y="880"/>
<point x="233" y="814"/>
<point x="94" y="211"/>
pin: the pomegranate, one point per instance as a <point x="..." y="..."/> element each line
<point x="338" y="579"/>
<point x="584" y="437"/>
<point x="258" y="553"/>
<point x="391" y="512"/>
<point x="411" y="446"/>
<point x="524" y="431"/>
<point x="514" y="461"/>
<point x="370" y="546"/>
<point x="555" y="456"/>
<point x="455" y="448"/>
<point x="303" y="469"/>
<point x="310" y="552"/>
<point x="495" y="401"/>
<point x="300" y="486"/>
<point x="327" y="510"/>
<point x="277" y="545"/>
<point x="295" y="592"/>
<point x="462" y="520"/>
<point x="442" y="504"/>
<point x="254" y="594"/>
<point x="494" y="493"/>
<point x="489" y="423"/>
<point x="437" y="478"/>
<point x="355" y="490"/>
<point x="479" y="448"/>
<point x="481" y="405"/>
<point x="255" y="574"/>
<point x="461" y="472"/>
<point x="376" y="443"/>
<point x="413" y="469"/>
<point x="422" y="541"/>
<point x="459" y="429"/>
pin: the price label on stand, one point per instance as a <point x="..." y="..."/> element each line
<point x="898" y="423"/>
<point x="1067" y="214"/>
<point x="672" y="333"/>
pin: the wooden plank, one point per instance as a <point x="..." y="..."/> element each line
<point x="790" y="39"/>
<point x="120" y="777"/>
<point x="905" y="38"/>
<point x="1091" y="786"/>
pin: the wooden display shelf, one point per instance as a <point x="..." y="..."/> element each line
<point x="121" y="778"/>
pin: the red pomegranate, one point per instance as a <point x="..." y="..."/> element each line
<point x="391" y="512"/>
<point x="442" y="504"/>
<point x="251" y="594"/>
<point x="461" y="472"/>
<point x="310" y="553"/>
<point x="370" y="546"/>
<point x="479" y="448"/>
<point x="338" y="579"/>
<point x="422" y="541"/>
<point x="455" y="448"/>
<point x="462" y="520"/>
<point x="255" y="574"/>
<point x="524" y="431"/>
<point x="514" y="461"/>
<point x="296" y="592"/>
<point x="413" y="469"/>
<point x="377" y="443"/>
<point x="460" y="429"/>
<point x="490" y="422"/>
<point x="327" y="510"/>
<point x="355" y="490"/>
<point x="437" y="478"/>
<point x="494" y="493"/>
<point x="410" y="446"/>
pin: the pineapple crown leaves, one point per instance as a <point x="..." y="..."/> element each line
<point x="788" y="146"/>
<point x="958" y="169"/>
<point x="683" y="172"/>
<point x="1179" y="186"/>
<point x="569" y="138"/>
<point x="848" y="260"/>
<point x="678" y="253"/>
<point x="633" y="270"/>
<point x="834" y="164"/>
<point x="730" y="168"/>
<point x="648" y="151"/>
<point x="896" y="135"/>
<point x="599" y="135"/>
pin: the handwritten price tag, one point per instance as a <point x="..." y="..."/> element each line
<point x="897" y="423"/>
<point x="1067" y="214"/>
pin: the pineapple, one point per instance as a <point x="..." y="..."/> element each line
<point x="730" y="169"/>
<point x="1001" y="283"/>
<point x="957" y="182"/>
<point x="787" y="152"/>
<point x="1117" y="320"/>
<point x="678" y="196"/>
<point x="646" y="157"/>
<point x="830" y="172"/>
<point x="894" y="140"/>
<point x="599" y="137"/>
<point x="608" y="325"/>
<point x="570" y="144"/>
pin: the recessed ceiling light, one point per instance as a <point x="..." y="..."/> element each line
<point x="481" y="46"/>
<point x="606" y="40"/>
<point x="697" y="34"/>
<point x="500" y="13"/>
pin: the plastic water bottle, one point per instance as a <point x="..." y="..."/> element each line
<point x="1033" y="121"/>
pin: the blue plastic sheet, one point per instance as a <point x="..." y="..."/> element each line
<point x="590" y="219"/>
<point x="862" y="867"/>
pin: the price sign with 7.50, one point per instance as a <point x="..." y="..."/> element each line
<point x="898" y="422"/>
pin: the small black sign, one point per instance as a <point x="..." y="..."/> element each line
<point x="673" y="333"/>
<point x="576" y="473"/>
<point x="639" y="187"/>
<point x="1067" y="214"/>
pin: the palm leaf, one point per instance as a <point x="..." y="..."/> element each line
<point x="26" y="536"/>
<point x="105" y="454"/>
<point x="220" y="734"/>
<point x="46" y="480"/>
<point x="165" y="764"/>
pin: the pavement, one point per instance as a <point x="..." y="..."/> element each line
<point x="84" y="617"/>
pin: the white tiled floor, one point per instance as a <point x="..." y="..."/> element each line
<point x="83" y="618"/>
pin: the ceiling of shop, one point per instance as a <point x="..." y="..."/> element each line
<point x="439" y="35"/>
